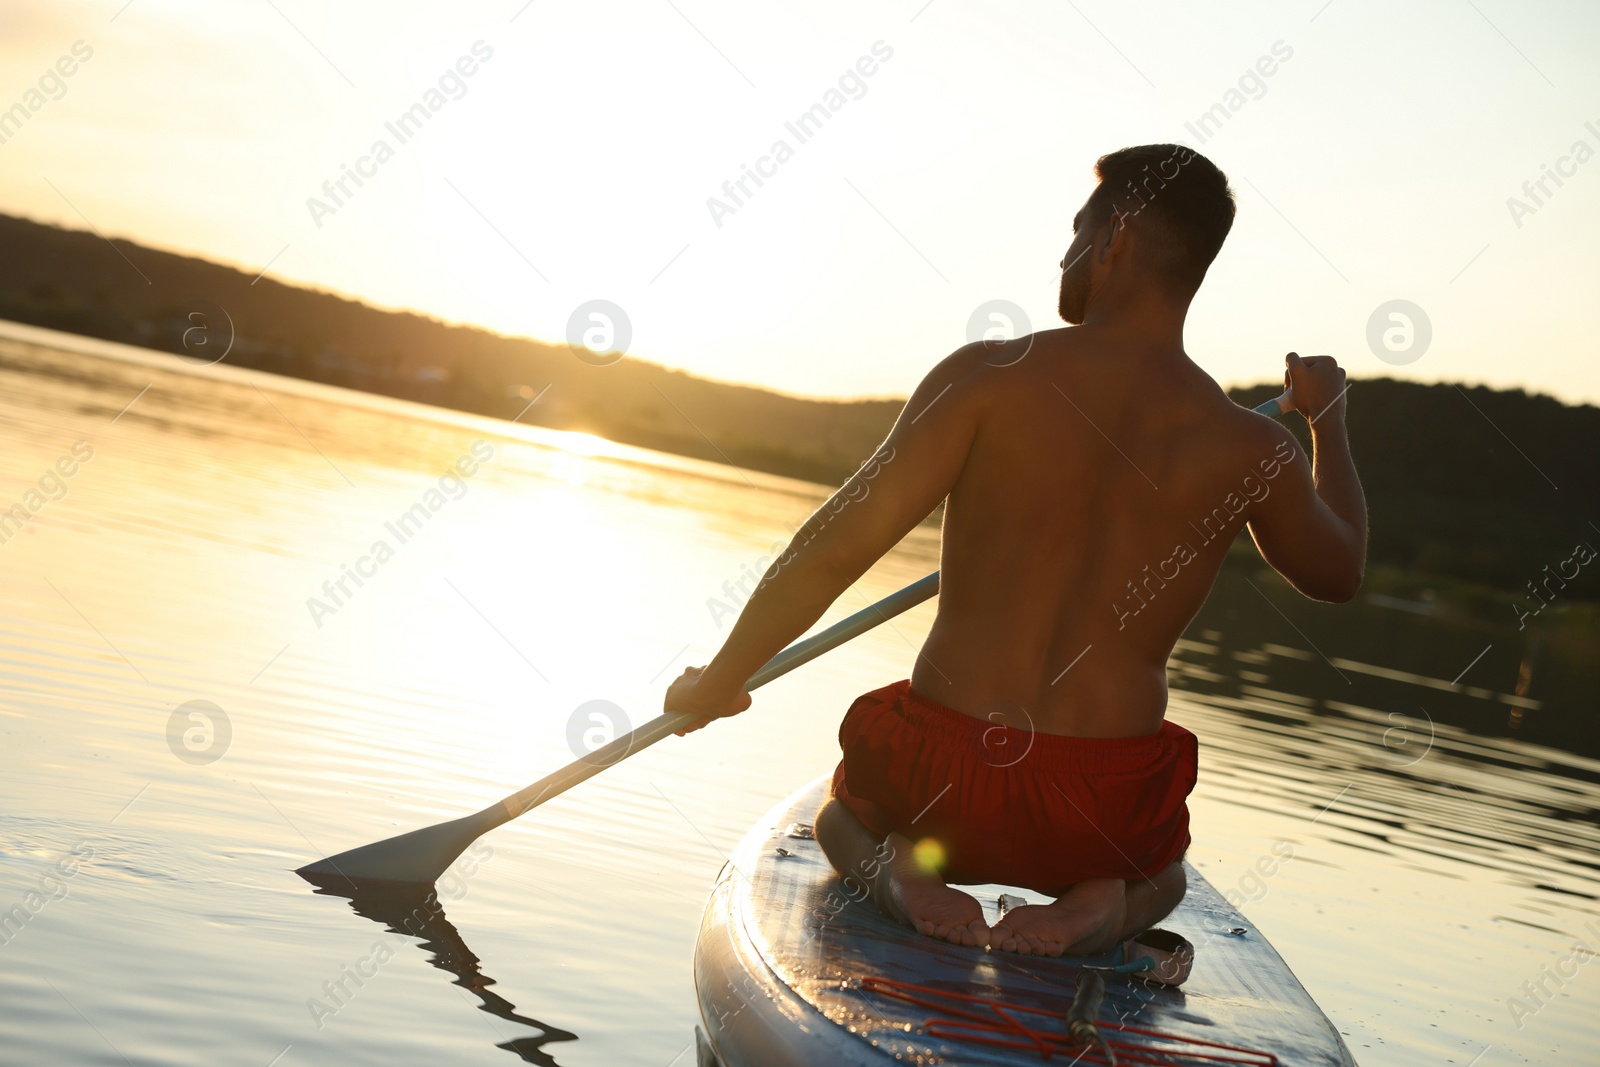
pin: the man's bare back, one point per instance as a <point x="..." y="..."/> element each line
<point x="1094" y="478"/>
<point x="1083" y="532"/>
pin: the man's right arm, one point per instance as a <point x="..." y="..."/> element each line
<point x="1312" y="524"/>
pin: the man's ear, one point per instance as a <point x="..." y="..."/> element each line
<point x="1116" y="239"/>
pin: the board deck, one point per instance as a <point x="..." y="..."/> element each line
<point x="782" y="952"/>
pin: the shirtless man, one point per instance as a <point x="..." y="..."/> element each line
<point x="1094" y="478"/>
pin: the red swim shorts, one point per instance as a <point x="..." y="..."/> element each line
<point x="1071" y="808"/>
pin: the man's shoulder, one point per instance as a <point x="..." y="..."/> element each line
<point x="1001" y="353"/>
<point x="1249" y="431"/>
<point x="982" y="370"/>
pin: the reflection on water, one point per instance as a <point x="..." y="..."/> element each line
<point x="1438" y="767"/>
<point x="417" y="912"/>
<point x="1435" y="780"/>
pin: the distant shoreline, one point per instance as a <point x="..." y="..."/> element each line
<point x="1479" y="487"/>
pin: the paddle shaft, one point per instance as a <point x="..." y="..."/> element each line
<point x="671" y="722"/>
<point x="800" y="652"/>
<point x="1278" y="405"/>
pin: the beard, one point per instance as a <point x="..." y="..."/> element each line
<point x="1074" y="298"/>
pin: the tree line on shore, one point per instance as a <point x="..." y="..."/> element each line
<point x="1485" y="485"/>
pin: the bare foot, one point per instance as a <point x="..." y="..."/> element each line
<point x="1086" y="920"/>
<point x="925" y="903"/>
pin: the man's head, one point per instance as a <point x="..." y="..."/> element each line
<point x="1157" y="218"/>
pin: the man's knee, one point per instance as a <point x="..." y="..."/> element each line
<point x="1168" y="888"/>
<point x="835" y="834"/>
<point x="1174" y="880"/>
<point x="824" y="815"/>
<point x="836" y="822"/>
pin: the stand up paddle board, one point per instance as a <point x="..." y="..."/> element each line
<point x="792" y="971"/>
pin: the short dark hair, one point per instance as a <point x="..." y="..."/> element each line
<point x="1179" y="198"/>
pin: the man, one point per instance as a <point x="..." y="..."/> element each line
<point x="1094" y="478"/>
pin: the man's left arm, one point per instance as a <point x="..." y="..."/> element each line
<point x="876" y="507"/>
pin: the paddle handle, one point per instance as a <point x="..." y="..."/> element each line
<point x="666" y="724"/>
<point x="1278" y="405"/>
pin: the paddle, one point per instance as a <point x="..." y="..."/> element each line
<point x="423" y="855"/>
<point x="1278" y="405"/>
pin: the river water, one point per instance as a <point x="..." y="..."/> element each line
<point x="1437" y="782"/>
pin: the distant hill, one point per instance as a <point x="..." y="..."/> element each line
<point x="1484" y="485"/>
<point x="75" y="281"/>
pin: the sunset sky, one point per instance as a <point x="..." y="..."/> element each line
<point x="1377" y="161"/>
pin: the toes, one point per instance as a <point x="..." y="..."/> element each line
<point x="1027" y="945"/>
<point x="972" y="934"/>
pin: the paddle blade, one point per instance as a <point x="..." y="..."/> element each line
<point x="421" y="856"/>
